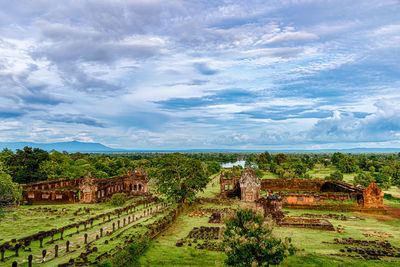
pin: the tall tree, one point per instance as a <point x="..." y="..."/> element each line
<point x="24" y="166"/>
<point x="179" y="178"/>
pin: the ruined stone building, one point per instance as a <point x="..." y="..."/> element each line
<point x="299" y="191"/>
<point x="247" y="187"/>
<point x="87" y="189"/>
<point x="250" y="185"/>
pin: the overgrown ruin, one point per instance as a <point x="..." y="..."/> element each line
<point x="87" y="189"/>
<point x="292" y="192"/>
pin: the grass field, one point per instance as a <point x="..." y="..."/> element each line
<point x="312" y="243"/>
<point x="27" y="220"/>
<point x="164" y="252"/>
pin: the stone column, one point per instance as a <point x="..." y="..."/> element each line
<point x="17" y="246"/>
<point x="85" y="236"/>
<point x="44" y="255"/>
<point x="30" y="258"/>
<point x="55" y="251"/>
<point x="41" y="241"/>
<point x="67" y="246"/>
<point x="3" y="249"/>
<point x="101" y="232"/>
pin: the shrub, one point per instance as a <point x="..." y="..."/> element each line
<point x="248" y="241"/>
<point x="118" y="199"/>
<point x="335" y="176"/>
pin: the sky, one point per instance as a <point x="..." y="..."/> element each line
<point x="149" y="74"/>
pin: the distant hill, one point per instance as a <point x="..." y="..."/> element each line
<point x="73" y="146"/>
<point x="76" y="146"/>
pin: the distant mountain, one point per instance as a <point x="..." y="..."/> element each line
<point x="76" y="146"/>
<point x="73" y="146"/>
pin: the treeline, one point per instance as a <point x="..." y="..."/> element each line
<point x="384" y="169"/>
<point x="31" y="165"/>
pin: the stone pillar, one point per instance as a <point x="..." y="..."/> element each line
<point x="77" y="229"/>
<point x="30" y="258"/>
<point x="3" y="249"/>
<point x="109" y="217"/>
<point x="17" y="246"/>
<point x="113" y="227"/>
<point x="41" y="241"/>
<point x="129" y="219"/>
<point x="55" y="251"/>
<point x="85" y="236"/>
<point x="91" y="223"/>
<point x="44" y="255"/>
<point x="101" y="232"/>
<point x="62" y="235"/>
<point x="124" y="221"/>
<point x="85" y="226"/>
<point x="67" y="246"/>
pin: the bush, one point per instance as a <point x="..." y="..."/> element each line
<point x="248" y="241"/>
<point x="363" y="179"/>
<point x="118" y="199"/>
<point x="130" y="255"/>
<point x="335" y="176"/>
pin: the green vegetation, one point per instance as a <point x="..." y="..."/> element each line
<point x="335" y="176"/>
<point x="183" y="177"/>
<point x="248" y="241"/>
<point x="118" y="199"/>
<point x="179" y="178"/>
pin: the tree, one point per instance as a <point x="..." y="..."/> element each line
<point x="347" y="164"/>
<point x="280" y="158"/>
<point x="24" y="166"/>
<point x="363" y="179"/>
<point x="180" y="178"/>
<point x="213" y="167"/>
<point x="335" y="176"/>
<point x="248" y="241"/>
<point x="10" y="192"/>
<point x="268" y="156"/>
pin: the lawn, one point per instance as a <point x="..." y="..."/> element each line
<point x="164" y="252"/>
<point x="27" y="220"/>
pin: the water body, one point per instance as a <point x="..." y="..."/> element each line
<point x="231" y="164"/>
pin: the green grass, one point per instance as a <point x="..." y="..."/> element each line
<point x="269" y="175"/>
<point x="212" y="188"/>
<point x="394" y="191"/>
<point x="164" y="252"/>
<point x="11" y="229"/>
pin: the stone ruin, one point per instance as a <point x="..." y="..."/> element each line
<point x="87" y="189"/>
<point x="272" y="207"/>
<point x="247" y="187"/>
<point x="315" y="192"/>
<point x="373" y="196"/>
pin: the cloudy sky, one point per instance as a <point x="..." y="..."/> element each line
<point x="149" y="74"/>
